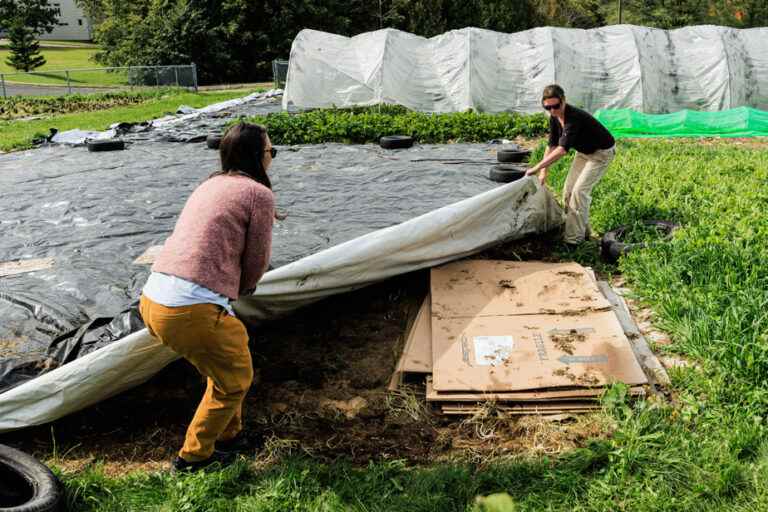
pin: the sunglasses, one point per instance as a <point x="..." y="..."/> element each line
<point x="552" y="107"/>
<point x="272" y="152"/>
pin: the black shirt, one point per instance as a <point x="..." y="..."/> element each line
<point x="582" y="132"/>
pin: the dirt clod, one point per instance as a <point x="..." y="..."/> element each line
<point x="506" y="283"/>
<point x="567" y="341"/>
<point x="350" y="408"/>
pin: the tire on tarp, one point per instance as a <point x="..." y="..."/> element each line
<point x="396" y="142"/>
<point x="512" y="155"/>
<point x="213" y="140"/>
<point x="507" y="173"/>
<point x="612" y="247"/>
<point x="26" y="485"/>
<point x="105" y="145"/>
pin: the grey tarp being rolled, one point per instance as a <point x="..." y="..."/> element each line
<point x="356" y="215"/>
<point x="620" y="66"/>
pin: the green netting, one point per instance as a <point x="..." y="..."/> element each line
<point x="737" y="122"/>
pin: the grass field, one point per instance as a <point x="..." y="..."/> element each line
<point x="61" y="57"/>
<point x="703" y="448"/>
<point x="16" y="134"/>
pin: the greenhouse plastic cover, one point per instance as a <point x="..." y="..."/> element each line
<point x="737" y="122"/>
<point x="355" y="215"/>
<point x="650" y="70"/>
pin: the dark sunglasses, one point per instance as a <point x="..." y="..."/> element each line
<point x="552" y="107"/>
<point x="272" y="152"/>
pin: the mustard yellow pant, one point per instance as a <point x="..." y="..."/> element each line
<point x="216" y="343"/>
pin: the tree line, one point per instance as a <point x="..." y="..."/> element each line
<point x="236" y="40"/>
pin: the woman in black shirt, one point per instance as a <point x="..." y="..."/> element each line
<point x="571" y="127"/>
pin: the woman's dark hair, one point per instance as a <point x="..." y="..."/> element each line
<point x="553" y="91"/>
<point x="242" y="151"/>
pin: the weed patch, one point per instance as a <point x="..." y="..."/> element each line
<point x="15" y="107"/>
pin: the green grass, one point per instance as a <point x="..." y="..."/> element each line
<point x="47" y="43"/>
<point x="704" y="449"/>
<point x="60" y="58"/>
<point x="20" y="134"/>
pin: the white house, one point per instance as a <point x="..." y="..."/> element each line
<point x="73" y="25"/>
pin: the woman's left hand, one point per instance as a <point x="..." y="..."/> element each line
<point x="533" y="170"/>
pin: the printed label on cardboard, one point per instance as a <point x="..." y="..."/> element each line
<point x="492" y="350"/>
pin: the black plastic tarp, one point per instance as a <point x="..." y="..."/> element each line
<point x="94" y="213"/>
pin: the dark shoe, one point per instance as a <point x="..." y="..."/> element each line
<point x="241" y="443"/>
<point x="221" y="458"/>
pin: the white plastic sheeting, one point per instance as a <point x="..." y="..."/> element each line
<point x="189" y="115"/>
<point x="621" y="66"/>
<point x="504" y="213"/>
<point x="184" y="114"/>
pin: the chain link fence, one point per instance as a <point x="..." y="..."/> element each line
<point x="71" y="81"/>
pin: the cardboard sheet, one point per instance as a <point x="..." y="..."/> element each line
<point x="494" y="288"/>
<point x="10" y="268"/>
<point x="417" y="354"/>
<point x="149" y="256"/>
<point x="500" y="326"/>
<point x="577" y="394"/>
<point x="539" y="408"/>
<point x="549" y="351"/>
<point x="417" y="351"/>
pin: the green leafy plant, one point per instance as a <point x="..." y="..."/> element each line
<point x="367" y="124"/>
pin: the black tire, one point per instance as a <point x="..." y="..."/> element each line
<point x="396" y="142"/>
<point x="612" y="247"/>
<point x="105" y="145"/>
<point x="512" y="155"/>
<point x="195" y="139"/>
<point x="26" y="485"/>
<point x="213" y="140"/>
<point x="507" y="173"/>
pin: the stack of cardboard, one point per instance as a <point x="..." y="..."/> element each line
<point x="532" y="337"/>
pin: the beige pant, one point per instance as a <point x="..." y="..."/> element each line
<point x="586" y="171"/>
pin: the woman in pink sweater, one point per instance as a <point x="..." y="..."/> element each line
<point x="218" y="251"/>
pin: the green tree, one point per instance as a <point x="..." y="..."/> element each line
<point x="739" y="13"/>
<point x="24" y="21"/>
<point x="98" y="11"/>
<point x="574" y="13"/>
<point x="37" y="15"/>
<point x="230" y="40"/>
<point x="421" y="17"/>
<point x="25" y="50"/>
<point x="506" y="16"/>
<point x="433" y="17"/>
<point x="666" y="14"/>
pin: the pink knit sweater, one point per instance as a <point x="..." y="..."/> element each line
<point x="223" y="237"/>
